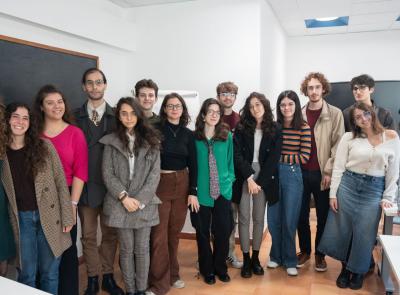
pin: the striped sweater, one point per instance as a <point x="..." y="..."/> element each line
<point x="296" y="145"/>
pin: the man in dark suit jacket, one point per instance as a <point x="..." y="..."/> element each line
<point x="96" y="119"/>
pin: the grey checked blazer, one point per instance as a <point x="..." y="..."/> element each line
<point x="142" y="186"/>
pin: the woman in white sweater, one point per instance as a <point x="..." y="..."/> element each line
<point x="364" y="180"/>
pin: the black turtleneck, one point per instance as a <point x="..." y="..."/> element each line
<point x="179" y="152"/>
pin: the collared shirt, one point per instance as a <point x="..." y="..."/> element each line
<point x="101" y="109"/>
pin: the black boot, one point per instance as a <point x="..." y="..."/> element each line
<point x="356" y="281"/>
<point x="343" y="279"/>
<point x="92" y="286"/>
<point x="109" y="285"/>
<point x="255" y="264"/>
<point x="245" y="272"/>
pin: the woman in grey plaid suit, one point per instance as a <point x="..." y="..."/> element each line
<point x="131" y="172"/>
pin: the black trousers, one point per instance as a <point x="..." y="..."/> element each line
<point x="68" y="281"/>
<point x="312" y="184"/>
<point x="219" y="219"/>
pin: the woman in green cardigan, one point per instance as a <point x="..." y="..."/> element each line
<point x="211" y="209"/>
<point x="7" y="245"/>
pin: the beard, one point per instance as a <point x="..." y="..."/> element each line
<point x="97" y="96"/>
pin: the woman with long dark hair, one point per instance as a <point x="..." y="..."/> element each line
<point x="41" y="210"/>
<point x="257" y="149"/>
<point x="364" y="180"/>
<point x="211" y="209"/>
<point x="178" y="181"/>
<point x="283" y="215"/>
<point x="131" y="172"/>
<point x="7" y="245"/>
<point x="54" y="122"/>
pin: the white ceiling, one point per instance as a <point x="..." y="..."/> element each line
<point x="134" y="3"/>
<point x="365" y="15"/>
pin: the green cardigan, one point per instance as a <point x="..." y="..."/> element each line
<point x="223" y="152"/>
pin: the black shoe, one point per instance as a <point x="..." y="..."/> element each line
<point x="255" y="264"/>
<point x="343" y="279"/>
<point x="140" y="293"/>
<point x="109" y="285"/>
<point x="245" y="272"/>
<point x="209" y="279"/>
<point x="356" y="281"/>
<point x="224" y="278"/>
<point x="92" y="286"/>
<point x="129" y="293"/>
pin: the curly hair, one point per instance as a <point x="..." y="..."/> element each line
<point x="298" y="120"/>
<point x="145" y="134"/>
<point x="227" y="87"/>
<point x="221" y="129"/>
<point x="3" y="133"/>
<point x="247" y="121"/>
<point x="376" y="125"/>
<point x="36" y="151"/>
<point x="38" y="103"/>
<point x="326" y="86"/>
<point x="184" y="119"/>
<point x="146" y="83"/>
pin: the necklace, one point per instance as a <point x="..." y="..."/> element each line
<point x="175" y="133"/>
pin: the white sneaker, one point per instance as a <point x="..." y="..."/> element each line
<point x="292" y="271"/>
<point x="179" y="284"/>
<point x="150" y="293"/>
<point x="232" y="260"/>
<point x="272" y="264"/>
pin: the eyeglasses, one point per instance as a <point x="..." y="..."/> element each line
<point x="227" y="94"/>
<point x="91" y="83"/>
<point x="360" y="87"/>
<point x="174" y="107"/>
<point x="366" y="115"/>
<point x="212" y="112"/>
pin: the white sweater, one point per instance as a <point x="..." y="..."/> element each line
<point x="359" y="156"/>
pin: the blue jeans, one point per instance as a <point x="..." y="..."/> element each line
<point x="358" y="216"/>
<point x="36" y="254"/>
<point x="283" y="216"/>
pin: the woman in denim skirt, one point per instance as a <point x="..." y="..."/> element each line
<point x="284" y="214"/>
<point x="364" y="180"/>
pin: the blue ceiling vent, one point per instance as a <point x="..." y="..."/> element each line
<point x="327" y="22"/>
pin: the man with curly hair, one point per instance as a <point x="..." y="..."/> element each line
<point x="327" y="127"/>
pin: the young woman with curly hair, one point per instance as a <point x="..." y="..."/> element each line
<point x="131" y="172"/>
<point x="41" y="210"/>
<point x="211" y="209"/>
<point x="257" y="149"/>
<point x="54" y="122"/>
<point x="7" y="245"/>
<point x="178" y="181"/>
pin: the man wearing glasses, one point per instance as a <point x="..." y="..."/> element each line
<point x="363" y="87"/>
<point x="226" y="95"/>
<point x="96" y="119"/>
<point x="327" y="127"/>
<point x="146" y="91"/>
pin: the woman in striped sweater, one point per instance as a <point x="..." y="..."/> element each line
<point x="283" y="215"/>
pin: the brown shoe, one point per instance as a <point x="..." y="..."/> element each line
<point x="302" y="258"/>
<point x="320" y="263"/>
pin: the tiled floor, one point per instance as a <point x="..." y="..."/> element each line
<point x="274" y="282"/>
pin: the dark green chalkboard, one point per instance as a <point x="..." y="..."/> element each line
<point x="26" y="66"/>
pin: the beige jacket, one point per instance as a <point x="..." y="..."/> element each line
<point x="328" y="131"/>
<point x="53" y="200"/>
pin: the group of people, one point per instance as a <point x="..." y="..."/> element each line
<point x="135" y="174"/>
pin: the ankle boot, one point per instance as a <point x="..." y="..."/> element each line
<point x="92" y="286"/>
<point x="343" y="279"/>
<point x="245" y="272"/>
<point x="356" y="281"/>
<point x="255" y="264"/>
<point x="108" y="284"/>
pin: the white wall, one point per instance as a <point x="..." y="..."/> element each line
<point x="197" y="44"/>
<point x="273" y="54"/>
<point x="343" y="56"/>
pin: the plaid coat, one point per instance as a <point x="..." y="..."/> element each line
<point x="53" y="200"/>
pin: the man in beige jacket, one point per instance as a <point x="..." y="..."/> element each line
<point x="327" y="127"/>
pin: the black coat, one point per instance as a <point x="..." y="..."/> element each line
<point x="268" y="158"/>
<point x="94" y="189"/>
